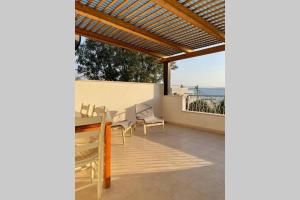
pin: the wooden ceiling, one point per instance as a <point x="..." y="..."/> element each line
<point x="167" y="29"/>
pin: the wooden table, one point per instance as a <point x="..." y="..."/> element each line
<point x="81" y="126"/>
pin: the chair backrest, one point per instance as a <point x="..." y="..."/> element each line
<point x="144" y="111"/>
<point x="98" y="110"/>
<point x="84" y="110"/>
<point x="91" y="140"/>
<point x="117" y="115"/>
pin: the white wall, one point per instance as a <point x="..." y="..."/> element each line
<point x="118" y="97"/>
<point x="173" y="112"/>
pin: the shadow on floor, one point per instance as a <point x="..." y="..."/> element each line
<point x="179" y="163"/>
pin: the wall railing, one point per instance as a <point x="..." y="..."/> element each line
<point x="205" y="103"/>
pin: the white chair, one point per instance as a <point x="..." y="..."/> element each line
<point x="145" y="116"/>
<point x="98" y="110"/>
<point x="119" y="121"/>
<point x="84" y="110"/>
<point x="125" y="126"/>
<point x="89" y="150"/>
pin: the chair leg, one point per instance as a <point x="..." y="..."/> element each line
<point x="98" y="190"/>
<point x="131" y="131"/>
<point x="123" y="136"/>
<point x="92" y="172"/>
<point x="99" y="183"/>
<point x="145" y="130"/>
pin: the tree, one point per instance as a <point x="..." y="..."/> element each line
<point x="173" y="65"/>
<point x="99" y="61"/>
<point x="220" y="108"/>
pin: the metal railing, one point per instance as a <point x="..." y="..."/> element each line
<point x="205" y="103"/>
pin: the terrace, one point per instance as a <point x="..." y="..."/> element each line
<point x="177" y="163"/>
<point x="185" y="160"/>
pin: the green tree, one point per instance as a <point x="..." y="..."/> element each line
<point x="99" y="61"/>
<point x="220" y="108"/>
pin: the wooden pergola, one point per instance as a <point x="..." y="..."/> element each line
<point x="167" y="29"/>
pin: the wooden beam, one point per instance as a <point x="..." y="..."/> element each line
<point x="194" y="54"/>
<point x="166" y="78"/>
<point x="181" y="11"/>
<point x="125" y="26"/>
<point x="114" y="42"/>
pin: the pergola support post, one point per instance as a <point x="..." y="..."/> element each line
<point x="167" y="78"/>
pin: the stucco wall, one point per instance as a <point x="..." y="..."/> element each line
<point x="172" y="112"/>
<point x="118" y="97"/>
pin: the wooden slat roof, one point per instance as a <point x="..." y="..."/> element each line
<point x="161" y="28"/>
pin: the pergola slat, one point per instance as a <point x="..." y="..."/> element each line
<point x="139" y="9"/>
<point x="214" y="12"/>
<point x="187" y="15"/>
<point x="149" y="16"/>
<point x="128" y="8"/>
<point x="165" y="24"/>
<point x="110" y="4"/>
<point x="99" y="4"/>
<point x="148" y="10"/>
<point x="196" y="3"/>
<point x="90" y="2"/>
<point x="118" y="7"/>
<point x="127" y="27"/>
<point x="207" y="3"/>
<point x="155" y="20"/>
<point x="209" y="8"/>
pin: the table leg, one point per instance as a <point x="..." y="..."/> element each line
<point x="107" y="155"/>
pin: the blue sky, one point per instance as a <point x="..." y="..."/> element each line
<point x="205" y="71"/>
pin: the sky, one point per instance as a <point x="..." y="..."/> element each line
<point x="205" y="71"/>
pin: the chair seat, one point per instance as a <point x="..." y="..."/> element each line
<point x="82" y="157"/>
<point x="153" y="120"/>
<point x="125" y="124"/>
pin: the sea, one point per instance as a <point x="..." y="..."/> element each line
<point x="218" y="91"/>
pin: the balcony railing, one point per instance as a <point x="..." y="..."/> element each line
<point x="205" y="103"/>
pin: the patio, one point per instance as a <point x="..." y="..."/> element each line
<point x="174" y="163"/>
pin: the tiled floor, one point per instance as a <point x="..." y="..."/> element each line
<point x="177" y="163"/>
